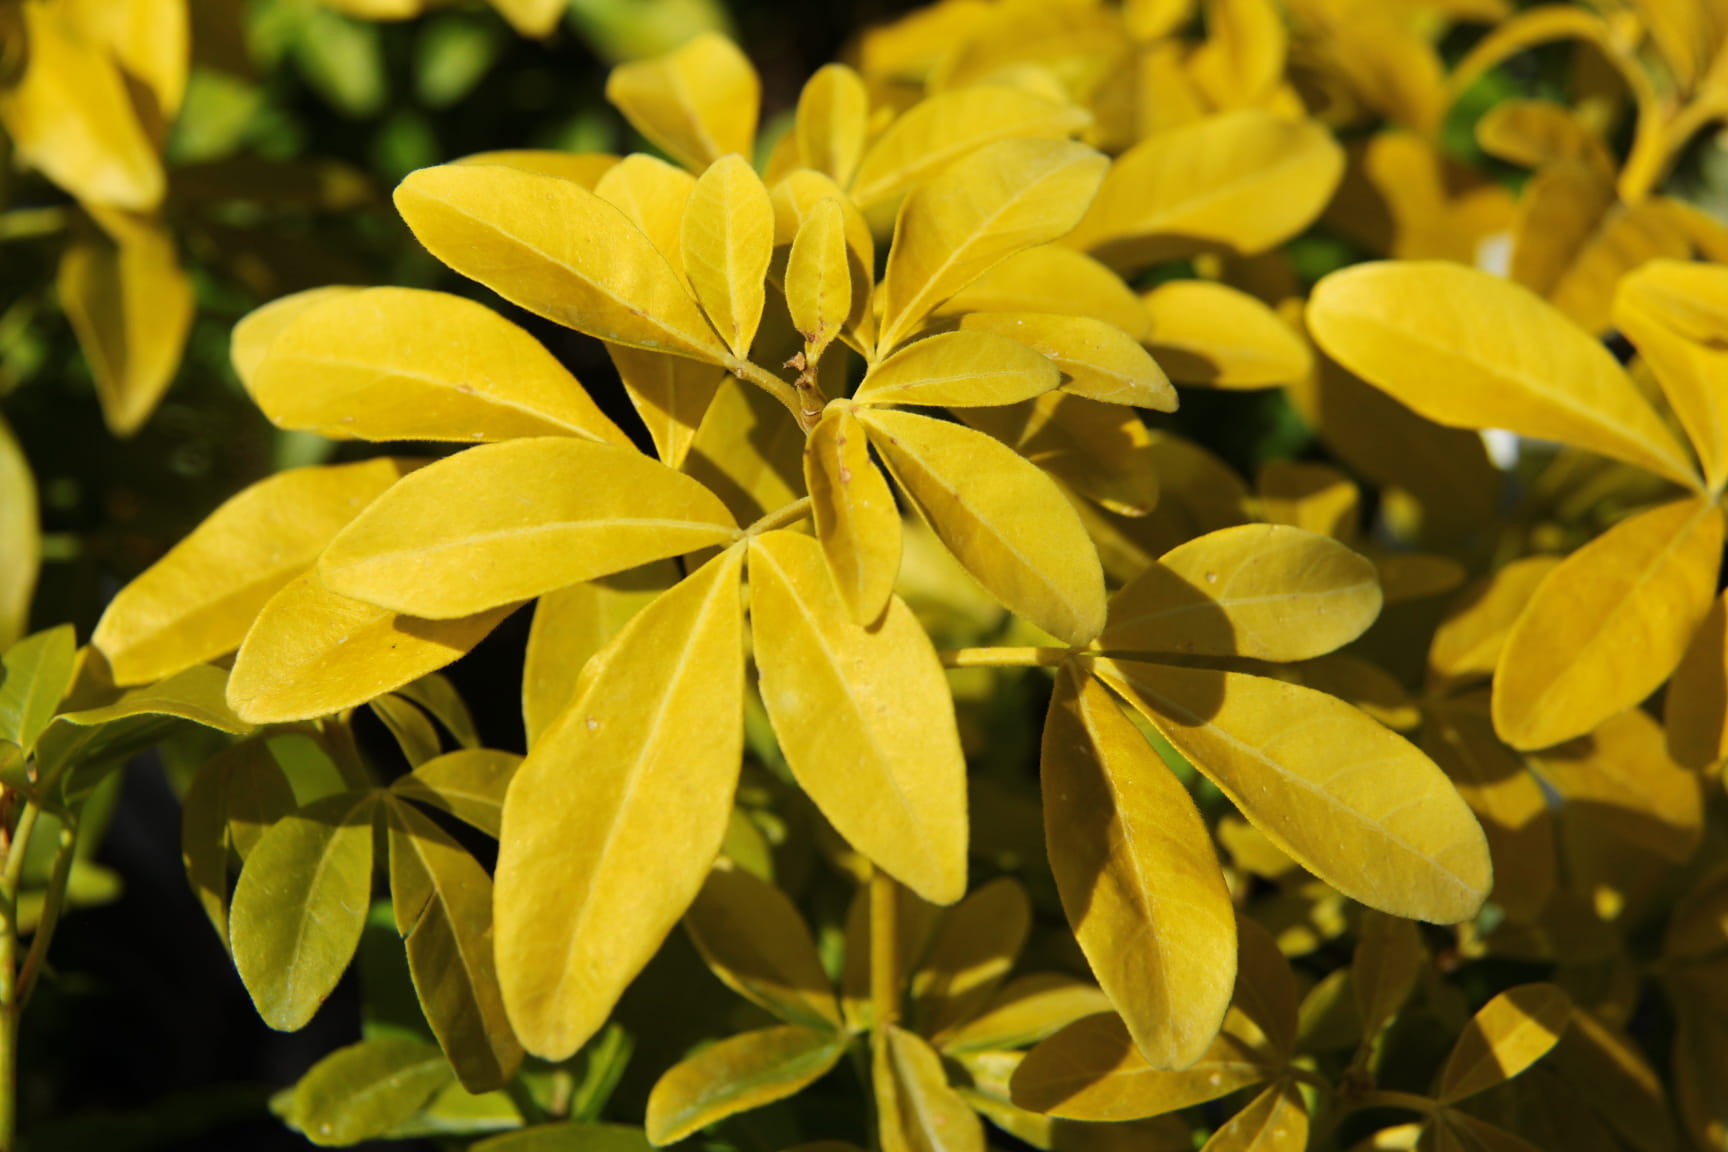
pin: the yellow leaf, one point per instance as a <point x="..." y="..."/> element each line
<point x="1608" y="625"/>
<point x="1314" y="497"/>
<point x="1511" y="1032"/>
<point x="311" y="652"/>
<point x="1672" y="314"/>
<point x="405" y="364"/>
<point x="20" y="539"/>
<point x="949" y="125"/>
<point x="1695" y="707"/>
<point x="974" y="948"/>
<point x="197" y="602"/>
<point x="857" y="521"/>
<point x="1000" y="517"/>
<point x="1055" y="280"/>
<point x="1364" y="684"/>
<point x="531" y="17"/>
<point x="1212" y="334"/>
<point x="1389" y="957"/>
<point x="1349" y="800"/>
<point x="506" y="522"/>
<point x="1536" y="133"/>
<point x="1616" y="1080"/>
<point x="999" y="200"/>
<point x="1100" y="361"/>
<point x="1472" y="351"/>
<point x="653" y="195"/>
<point x="584" y="168"/>
<point x="749" y="451"/>
<point x="443" y="906"/>
<point x="131" y="305"/>
<point x="1138" y="878"/>
<point x="737" y="1074"/>
<point x="1102" y="451"/>
<point x="819" y="277"/>
<point x="258" y="329"/>
<point x="1241" y="62"/>
<point x="1467" y="644"/>
<point x="1275" y="1121"/>
<point x="863" y="716"/>
<point x="1245" y="180"/>
<point x="727" y="240"/>
<point x="959" y="369"/>
<point x="1024" y="1012"/>
<point x="800" y="194"/>
<point x="1266" y="591"/>
<point x="149" y="40"/>
<point x="753" y="938"/>
<point x="570" y="626"/>
<point x="613" y="820"/>
<point x="69" y="115"/>
<point x="833" y="122"/>
<point x="468" y="784"/>
<point x="1156" y="19"/>
<point x="670" y="393"/>
<point x="919" y="1112"/>
<point x="558" y="250"/>
<point x="695" y="104"/>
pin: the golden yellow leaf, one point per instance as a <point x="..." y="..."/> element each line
<point x="443" y="906"/>
<point x="1673" y="315"/>
<point x="695" y="104"/>
<point x="856" y="518"/>
<point x="558" y="250"/>
<point x="1002" y="199"/>
<point x="949" y="125"/>
<point x="1102" y="451"/>
<point x="1349" y="800"/>
<point x="753" y="938"/>
<point x="197" y="602"/>
<point x="919" y="1111"/>
<point x="1025" y="1011"/>
<point x="1535" y="133"/>
<point x="468" y="784"/>
<point x="1275" y="1121"/>
<point x="1511" y="1032"/>
<point x="1053" y="280"/>
<point x="1241" y="62"/>
<point x="531" y="17"/>
<point x="584" y="168"/>
<point x="863" y="716"/>
<point x="1695" y="707"/>
<point x="1212" y="334"/>
<point x="653" y="195"/>
<point x="258" y="329"/>
<point x="613" y="820"/>
<point x="70" y="116"/>
<point x="973" y="950"/>
<point x="311" y="652"/>
<point x="749" y="451"/>
<point x="149" y="40"/>
<point x="405" y="364"/>
<point x="1137" y="874"/>
<point x="737" y="1074"/>
<point x="1156" y="19"/>
<point x="1608" y="625"/>
<point x="1364" y="684"/>
<point x="1266" y="591"/>
<point x="570" y="626"/>
<point x="727" y="240"/>
<point x="1314" y="497"/>
<point x="506" y="522"/>
<point x="800" y="194"/>
<point x="20" y="539"/>
<point x="959" y="369"/>
<point x="1244" y="181"/>
<point x="1000" y="517"/>
<point x="1472" y="351"/>
<point x="131" y="305"/>
<point x="670" y="393"/>
<point x="1098" y="360"/>
<point x="819" y="277"/>
<point x="1467" y="644"/>
<point x="833" y="122"/>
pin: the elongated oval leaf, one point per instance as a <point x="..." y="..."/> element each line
<point x="1052" y="279"/>
<point x="670" y="393"/>
<point x="819" y="277"/>
<point x="35" y="675"/>
<point x="1000" y="200"/>
<point x="258" y="329"/>
<point x="300" y="906"/>
<point x="754" y="939"/>
<point x="364" y="1090"/>
<point x="559" y="251"/>
<point x="1100" y="361"/>
<point x="696" y="104"/>
<point x="612" y="822"/>
<point x="197" y="602"/>
<point x="737" y="1074"/>
<point x="1673" y="313"/>
<point x="1608" y="624"/>
<point x="1275" y="1121"/>
<point x="728" y="238"/>
<point x="1025" y="1011"/>
<point x="20" y="538"/>
<point x="311" y="652"/>
<point x="469" y="784"/>
<point x="863" y="716"/>
<point x="833" y="122"/>
<point x="1266" y="591"/>
<point x="959" y="369"/>
<point x="1695" y="707"/>
<point x="919" y="1111"/>
<point x="1137" y="874"/>
<point x="1212" y="334"/>
<point x="1349" y="800"/>
<point x="1512" y="1032"/>
<point x="404" y="364"/>
<point x="857" y="521"/>
<point x="1002" y="518"/>
<point x="1469" y="640"/>
<point x="1468" y="350"/>
<point x="506" y="522"/>
<point x="1102" y="451"/>
<point x="975" y="945"/>
<point x="653" y="195"/>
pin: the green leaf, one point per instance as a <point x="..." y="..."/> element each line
<point x="35" y="675"/>
<point x="737" y="1074"/>
<point x="506" y="522"/>
<point x="20" y="538"/>
<point x="362" y="1091"/>
<point x="300" y="907"/>
<point x="613" y="820"/>
<point x="469" y="784"/>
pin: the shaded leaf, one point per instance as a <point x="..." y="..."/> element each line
<point x="20" y="539"/>
<point x="753" y="938"/>
<point x="833" y="122"/>
<point x="364" y="1090"/>
<point x="1275" y="1121"/>
<point x="1510" y="1033"/>
<point x="1024" y="1011"/>
<point x="35" y="675"/>
<point x="737" y="1074"/>
<point x="1469" y="640"/>
<point x="973" y="949"/>
<point x="857" y="521"/>
<point x="469" y="784"/>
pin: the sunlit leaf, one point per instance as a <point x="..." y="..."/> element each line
<point x="1512" y="1032"/>
<point x="1674" y="317"/>
<point x="1055" y="280"/>
<point x="1025" y="1011"/>
<point x="737" y="1074"/>
<point x="670" y="393"/>
<point x="1212" y="334"/>
<point x="1275" y="1121"/>
<point x="1468" y="642"/>
<point x="1098" y="360"/>
<point x="857" y="521"/>
<point x="20" y="538"/>
<point x="1102" y="451"/>
<point x="257" y="330"/>
<point x="728" y="238"/>
<point x="35" y="675"/>
<point x="919" y="1111"/>
<point x="974" y="947"/>
<point x="653" y="195"/>
<point x="863" y="717"/>
<point x="833" y="122"/>
<point x="612" y="822"/>
<point x="695" y="104"/>
<point x="959" y="369"/>
<point x="819" y="277"/>
<point x="584" y="168"/>
<point x="364" y="1090"/>
<point x="1621" y="773"/>
<point x="469" y="784"/>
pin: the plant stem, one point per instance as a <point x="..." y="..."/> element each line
<point x="11" y="1004"/>
<point x="777" y="388"/>
<point x="1385" y="1099"/>
<point x="1004" y="657"/>
<point x="884" y="951"/>
<point x="781" y="517"/>
<point x="53" y="901"/>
